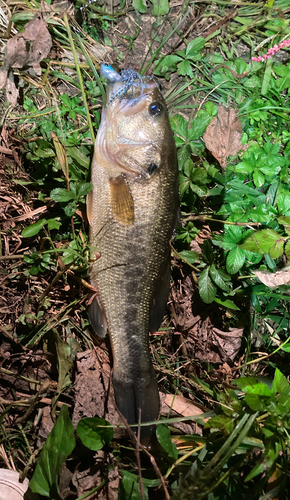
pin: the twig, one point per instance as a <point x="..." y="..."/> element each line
<point x="264" y="357"/>
<point x="50" y="286"/>
<point x="141" y="486"/>
<point x="21" y="377"/>
<point x="96" y="488"/>
<point x="152" y="459"/>
<point x="207" y="218"/>
<point x="236" y="75"/>
<point x="11" y="257"/>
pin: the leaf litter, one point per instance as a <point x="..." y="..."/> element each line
<point x="223" y="135"/>
<point x="25" y="51"/>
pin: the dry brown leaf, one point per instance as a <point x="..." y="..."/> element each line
<point x="26" y="49"/>
<point x="272" y="280"/>
<point x="93" y="391"/>
<point x="182" y="406"/>
<point x="228" y="343"/>
<point x="223" y="135"/>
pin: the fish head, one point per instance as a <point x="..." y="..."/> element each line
<point x="135" y="133"/>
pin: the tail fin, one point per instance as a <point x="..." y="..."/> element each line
<point x="139" y="392"/>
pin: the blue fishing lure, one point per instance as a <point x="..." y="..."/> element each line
<point x="128" y="76"/>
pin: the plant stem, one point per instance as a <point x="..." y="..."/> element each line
<point x="79" y="76"/>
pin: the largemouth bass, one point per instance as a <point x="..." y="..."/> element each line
<point x="132" y="211"/>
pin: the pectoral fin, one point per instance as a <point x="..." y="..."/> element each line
<point x="97" y="318"/>
<point x="121" y="200"/>
<point x="89" y="207"/>
<point x="159" y="303"/>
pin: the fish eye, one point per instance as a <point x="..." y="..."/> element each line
<point x="155" y="109"/>
<point x="152" y="167"/>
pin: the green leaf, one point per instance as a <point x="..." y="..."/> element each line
<point x="262" y="241"/>
<point x="222" y="422"/>
<point x="92" y="435"/>
<point x="199" y="125"/>
<point x="166" y="64"/>
<point x="64" y="362"/>
<point x="284" y="221"/>
<point x="160" y="7"/>
<point x="267" y="460"/>
<point x="66" y="99"/>
<point x="195" y="45"/>
<point x="140" y="6"/>
<point x="189" y="256"/>
<point x="258" y="178"/>
<point x="84" y="188"/>
<point x="61" y="195"/>
<point x="58" y="446"/>
<point x="207" y="289"/>
<point x="131" y="487"/>
<point x="254" y="402"/>
<point x="70" y="208"/>
<point x="287" y="250"/>
<point x="252" y="82"/>
<point x="220" y="278"/>
<point x="244" y="167"/>
<point x="33" y="229"/>
<point x="235" y="260"/>
<point x="163" y="436"/>
<point x="280" y="382"/>
<point x="283" y="202"/>
<point x="184" y="68"/>
<point x="179" y="126"/>
<point x="77" y="155"/>
<point x="220" y="241"/>
<point x="211" y="108"/>
<point x="53" y="224"/>
<point x="250" y="385"/>
<point x="277" y="249"/>
<point x="229" y="304"/>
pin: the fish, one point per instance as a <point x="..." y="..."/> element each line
<point x="132" y="210"/>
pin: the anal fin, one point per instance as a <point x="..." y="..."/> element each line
<point x="121" y="200"/>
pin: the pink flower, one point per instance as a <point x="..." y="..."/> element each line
<point x="272" y="51"/>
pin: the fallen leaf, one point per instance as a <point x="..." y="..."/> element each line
<point x="272" y="280"/>
<point x="223" y="135"/>
<point x="25" y="50"/>
<point x="228" y="343"/>
<point x="182" y="406"/>
<point x="93" y="392"/>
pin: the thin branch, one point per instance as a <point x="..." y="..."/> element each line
<point x="141" y="486"/>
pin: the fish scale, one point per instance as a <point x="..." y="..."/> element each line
<point x="134" y="259"/>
